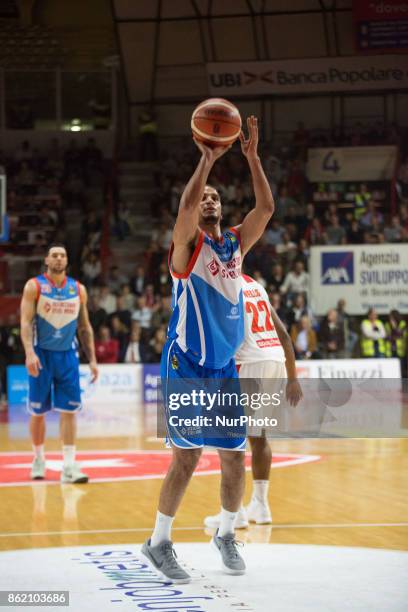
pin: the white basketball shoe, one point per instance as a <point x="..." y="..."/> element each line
<point x="241" y="521"/>
<point x="258" y="512"/>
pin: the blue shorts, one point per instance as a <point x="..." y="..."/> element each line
<point x="180" y="375"/>
<point x="57" y="385"/>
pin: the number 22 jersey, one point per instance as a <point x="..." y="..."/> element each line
<point x="261" y="342"/>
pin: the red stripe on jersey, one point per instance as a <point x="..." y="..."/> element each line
<point x="38" y="288"/>
<point x="267" y="342"/>
<point x="192" y="261"/>
<point x="247" y="278"/>
<point x="49" y="279"/>
<point x="236" y="233"/>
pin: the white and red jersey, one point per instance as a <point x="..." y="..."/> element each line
<point x="261" y="342"/>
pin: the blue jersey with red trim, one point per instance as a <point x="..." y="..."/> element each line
<point x="207" y="320"/>
<point x="57" y="313"/>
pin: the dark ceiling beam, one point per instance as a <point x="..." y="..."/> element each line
<point x="230" y="15"/>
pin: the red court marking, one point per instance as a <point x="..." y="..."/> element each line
<point x="110" y="466"/>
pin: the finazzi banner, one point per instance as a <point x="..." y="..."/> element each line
<point x="283" y="77"/>
<point x="364" y="275"/>
<point x="351" y="164"/>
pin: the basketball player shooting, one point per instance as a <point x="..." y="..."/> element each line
<point x="205" y="331"/>
<point x="53" y="310"/>
<point x="266" y="353"/>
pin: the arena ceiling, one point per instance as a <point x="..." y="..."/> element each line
<point x="165" y="44"/>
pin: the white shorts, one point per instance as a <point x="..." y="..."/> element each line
<point x="273" y="372"/>
<point x="263" y="369"/>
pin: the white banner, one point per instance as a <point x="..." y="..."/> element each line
<point x="349" y="368"/>
<point x="308" y="75"/>
<point x="364" y="275"/>
<point x="117" y="384"/>
<point x="351" y="164"/>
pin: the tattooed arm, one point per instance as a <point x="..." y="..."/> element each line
<point x="86" y="335"/>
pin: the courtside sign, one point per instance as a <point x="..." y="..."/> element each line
<point x="366" y="276"/>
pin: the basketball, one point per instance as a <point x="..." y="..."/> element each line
<point x="216" y="122"/>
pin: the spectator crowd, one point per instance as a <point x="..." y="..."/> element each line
<point x="130" y="313"/>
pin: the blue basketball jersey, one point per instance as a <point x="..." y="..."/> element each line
<point x="207" y="320"/>
<point x="57" y="313"/>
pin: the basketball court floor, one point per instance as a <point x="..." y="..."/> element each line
<point x="339" y="538"/>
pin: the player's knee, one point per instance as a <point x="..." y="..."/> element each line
<point x="233" y="460"/>
<point x="186" y="460"/>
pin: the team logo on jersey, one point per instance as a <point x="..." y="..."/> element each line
<point x="213" y="267"/>
<point x="174" y="362"/>
<point x="45" y="289"/>
<point x="234" y="313"/>
<point x="233" y="238"/>
<point x="71" y="291"/>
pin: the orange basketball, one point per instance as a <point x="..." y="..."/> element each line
<point x="216" y="122"/>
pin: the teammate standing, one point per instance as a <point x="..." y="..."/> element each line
<point x="267" y="353"/>
<point x="205" y="330"/>
<point x="53" y="310"/>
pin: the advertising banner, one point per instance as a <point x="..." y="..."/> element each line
<point x="315" y="75"/>
<point x="364" y="275"/>
<point x="351" y="164"/>
<point x="380" y="25"/>
<point x="349" y="368"/>
<point x="117" y="384"/>
<point x="151" y="373"/>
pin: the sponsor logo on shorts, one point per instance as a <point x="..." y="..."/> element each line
<point x="174" y="362"/>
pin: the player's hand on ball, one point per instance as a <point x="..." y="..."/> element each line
<point x="249" y="146"/>
<point x="211" y="154"/>
<point x="293" y="392"/>
<point x="33" y="364"/>
<point x="93" y="366"/>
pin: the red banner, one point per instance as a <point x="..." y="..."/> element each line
<point x="380" y="25"/>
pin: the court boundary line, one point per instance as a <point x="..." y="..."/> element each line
<point x="201" y="528"/>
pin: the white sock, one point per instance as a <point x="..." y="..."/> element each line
<point x="226" y="523"/>
<point x="162" y="529"/>
<point x="260" y="492"/>
<point x="68" y="453"/>
<point x="39" y="451"/>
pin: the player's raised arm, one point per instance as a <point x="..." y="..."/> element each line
<point x="253" y="226"/>
<point x="293" y="390"/>
<point x="186" y="227"/>
<point x="27" y="310"/>
<point x="86" y="335"/>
